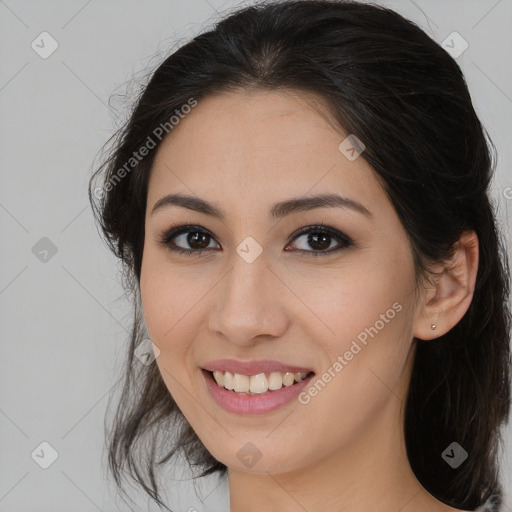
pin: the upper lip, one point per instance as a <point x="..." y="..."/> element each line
<point x="253" y="367"/>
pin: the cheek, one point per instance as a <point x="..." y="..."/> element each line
<point x="167" y="298"/>
<point x="163" y="308"/>
<point x="168" y="324"/>
<point x="172" y="301"/>
<point x="365" y="333"/>
<point x="367" y="297"/>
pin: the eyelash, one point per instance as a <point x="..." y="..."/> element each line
<point x="345" y="241"/>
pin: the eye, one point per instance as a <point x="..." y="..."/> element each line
<point x="321" y="238"/>
<point x="198" y="240"/>
<point x="195" y="236"/>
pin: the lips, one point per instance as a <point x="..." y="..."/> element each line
<point x="253" y="367"/>
<point x="266" y="394"/>
<point x="243" y="403"/>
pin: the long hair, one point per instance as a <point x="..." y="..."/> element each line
<point x="393" y="87"/>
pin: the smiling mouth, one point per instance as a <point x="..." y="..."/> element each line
<point x="256" y="384"/>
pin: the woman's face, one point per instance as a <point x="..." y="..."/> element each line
<point x="264" y="296"/>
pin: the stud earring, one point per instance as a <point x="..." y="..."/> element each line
<point x="433" y="326"/>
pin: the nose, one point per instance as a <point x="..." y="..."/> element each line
<point x="249" y="303"/>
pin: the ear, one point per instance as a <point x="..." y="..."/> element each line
<point x="446" y="302"/>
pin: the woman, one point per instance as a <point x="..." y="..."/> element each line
<point x="300" y="203"/>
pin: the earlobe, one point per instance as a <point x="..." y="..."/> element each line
<point x="446" y="302"/>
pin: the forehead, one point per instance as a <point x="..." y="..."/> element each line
<point x="242" y="121"/>
<point x="259" y="144"/>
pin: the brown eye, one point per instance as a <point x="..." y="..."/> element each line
<point x="187" y="239"/>
<point x="320" y="239"/>
<point x="197" y="239"/>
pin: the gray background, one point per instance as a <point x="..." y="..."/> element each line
<point x="63" y="319"/>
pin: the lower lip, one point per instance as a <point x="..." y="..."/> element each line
<point x="253" y="404"/>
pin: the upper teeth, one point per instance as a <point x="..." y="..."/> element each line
<point x="256" y="383"/>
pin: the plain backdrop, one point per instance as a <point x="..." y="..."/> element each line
<point x="63" y="319"/>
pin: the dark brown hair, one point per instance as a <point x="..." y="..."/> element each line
<point x="399" y="92"/>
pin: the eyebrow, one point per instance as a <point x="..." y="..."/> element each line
<point x="281" y="209"/>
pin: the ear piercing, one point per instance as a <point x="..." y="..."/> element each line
<point x="433" y="326"/>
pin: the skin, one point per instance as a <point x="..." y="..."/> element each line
<point x="344" y="450"/>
